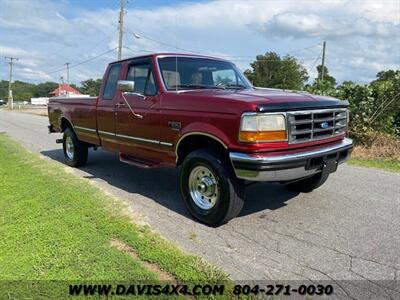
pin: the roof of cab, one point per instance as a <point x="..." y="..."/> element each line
<point x="168" y="54"/>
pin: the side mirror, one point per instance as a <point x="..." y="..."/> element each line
<point x="126" y="86"/>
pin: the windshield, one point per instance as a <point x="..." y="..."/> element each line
<point x="186" y="73"/>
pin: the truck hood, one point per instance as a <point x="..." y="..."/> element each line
<point x="265" y="99"/>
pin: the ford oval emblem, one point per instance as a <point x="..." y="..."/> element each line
<point x="324" y="125"/>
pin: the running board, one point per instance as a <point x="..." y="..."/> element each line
<point x="141" y="163"/>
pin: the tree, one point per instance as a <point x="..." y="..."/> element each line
<point x="91" y="87"/>
<point x="4" y="90"/>
<point x="325" y="86"/>
<point x="44" y="89"/>
<point x="22" y="91"/>
<point x="270" y="70"/>
<point x="330" y="80"/>
<point x="387" y="94"/>
<point x="387" y="75"/>
<point x="374" y="107"/>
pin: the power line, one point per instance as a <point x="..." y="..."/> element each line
<point x="83" y="62"/>
<point x="232" y="57"/>
<point x="228" y="56"/>
<point x="291" y="51"/>
<point x="245" y="60"/>
<point x="316" y="60"/>
<point x="139" y="50"/>
<point x="302" y="49"/>
<point x="56" y="67"/>
<point x="93" y="58"/>
<point x="163" y="43"/>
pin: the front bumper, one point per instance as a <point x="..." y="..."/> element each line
<point x="288" y="167"/>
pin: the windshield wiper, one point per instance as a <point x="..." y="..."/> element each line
<point x="196" y="86"/>
<point x="233" y="86"/>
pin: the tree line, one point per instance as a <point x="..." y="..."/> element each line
<point x="24" y="91"/>
<point x="374" y="107"/>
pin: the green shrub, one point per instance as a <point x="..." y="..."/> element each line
<point x="374" y="107"/>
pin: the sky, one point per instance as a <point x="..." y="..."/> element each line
<point x="363" y="37"/>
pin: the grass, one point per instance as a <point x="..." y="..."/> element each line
<point x="56" y="226"/>
<point x="384" y="164"/>
<point x="379" y="151"/>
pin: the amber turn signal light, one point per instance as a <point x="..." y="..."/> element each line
<point x="263" y="136"/>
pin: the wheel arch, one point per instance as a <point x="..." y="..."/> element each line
<point x="65" y="123"/>
<point x="196" y="140"/>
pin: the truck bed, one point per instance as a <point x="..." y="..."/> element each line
<point x="79" y="111"/>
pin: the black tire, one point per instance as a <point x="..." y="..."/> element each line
<point x="230" y="191"/>
<point x="309" y="184"/>
<point x="77" y="155"/>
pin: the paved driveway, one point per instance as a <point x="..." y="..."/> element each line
<point x="349" y="229"/>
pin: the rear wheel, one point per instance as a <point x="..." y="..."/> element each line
<point x="75" y="152"/>
<point x="309" y="184"/>
<point x="210" y="190"/>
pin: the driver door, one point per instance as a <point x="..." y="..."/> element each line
<point x="138" y="127"/>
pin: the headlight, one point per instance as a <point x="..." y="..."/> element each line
<point x="263" y="127"/>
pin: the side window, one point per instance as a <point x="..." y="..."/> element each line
<point x="111" y="82"/>
<point x="143" y="77"/>
<point x="224" y="76"/>
<point x="151" y="85"/>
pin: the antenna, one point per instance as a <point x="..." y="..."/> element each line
<point x="176" y="73"/>
<point x="176" y="56"/>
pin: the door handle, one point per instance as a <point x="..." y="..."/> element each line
<point x="130" y="108"/>
<point x="120" y="105"/>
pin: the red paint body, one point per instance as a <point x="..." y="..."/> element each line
<point x="215" y="113"/>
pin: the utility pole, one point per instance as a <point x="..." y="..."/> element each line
<point x="323" y="61"/>
<point x="10" y="96"/>
<point x="67" y="64"/>
<point x="121" y="28"/>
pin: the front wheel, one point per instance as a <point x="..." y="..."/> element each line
<point x="210" y="190"/>
<point x="75" y="151"/>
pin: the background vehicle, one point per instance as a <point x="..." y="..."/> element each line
<point x="201" y="113"/>
<point x="2" y="102"/>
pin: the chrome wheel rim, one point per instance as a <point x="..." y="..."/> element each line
<point x="203" y="187"/>
<point x="69" y="148"/>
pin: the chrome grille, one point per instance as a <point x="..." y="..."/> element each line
<point x="312" y="125"/>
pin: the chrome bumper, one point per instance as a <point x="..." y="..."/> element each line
<point x="287" y="167"/>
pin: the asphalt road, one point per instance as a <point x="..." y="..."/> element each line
<point x="347" y="231"/>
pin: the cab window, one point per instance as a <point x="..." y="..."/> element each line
<point x="143" y="77"/>
<point x="111" y="82"/>
<point x="185" y="73"/>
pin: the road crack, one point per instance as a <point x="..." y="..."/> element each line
<point x="381" y="287"/>
<point x="330" y="248"/>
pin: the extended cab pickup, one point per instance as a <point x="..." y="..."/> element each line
<point x="201" y="113"/>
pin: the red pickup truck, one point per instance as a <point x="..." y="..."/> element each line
<point x="202" y="114"/>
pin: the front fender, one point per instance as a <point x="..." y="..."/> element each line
<point x="204" y="129"/>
